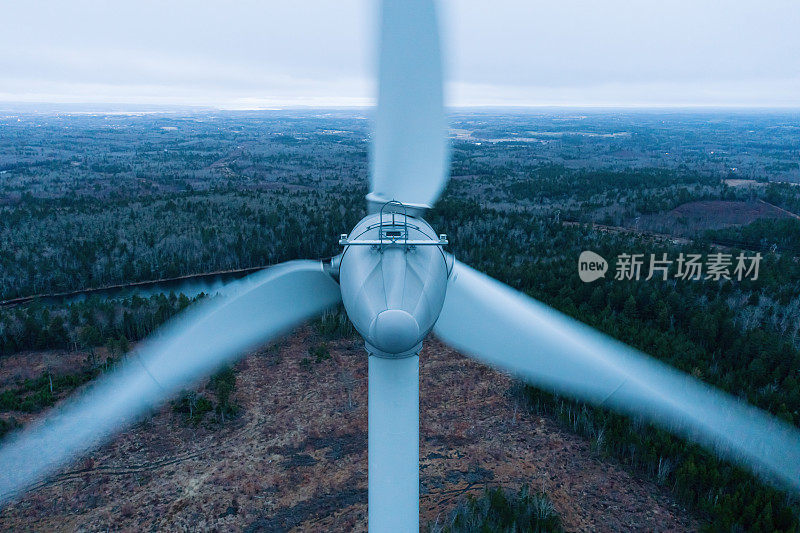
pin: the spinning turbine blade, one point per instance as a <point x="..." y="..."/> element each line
<point x="190" y="286"/>
<point x="255" y="310"/>
<point x="504" y="328"/>
<point x="409" y="154"/>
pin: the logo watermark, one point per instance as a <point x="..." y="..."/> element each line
<point x="591" y="266"/>
<point x="713" y="266"/>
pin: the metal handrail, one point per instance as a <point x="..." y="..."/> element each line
<point x="405" y="222"/>
<point x="380" y="243"/>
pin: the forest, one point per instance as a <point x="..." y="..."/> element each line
<point x="87" y="207"/>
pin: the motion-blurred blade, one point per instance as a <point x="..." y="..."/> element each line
<point x="255" y="310"/>
<point x="504" y="328"/>
<point x="409" y="155"/>
<point x="190" y="286"/>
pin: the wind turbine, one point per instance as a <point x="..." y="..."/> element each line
<point x="397" y="284"/>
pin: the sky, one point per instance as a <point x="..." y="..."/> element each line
<point x="253" y="54"/>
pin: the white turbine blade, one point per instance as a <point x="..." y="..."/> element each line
<point x="504" y="328"/>
<point x="410" y="154"/>
<point x="255" y="310"/>
<point x="393" y="441"/>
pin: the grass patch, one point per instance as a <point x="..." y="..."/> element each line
<point x="501" y="510"/>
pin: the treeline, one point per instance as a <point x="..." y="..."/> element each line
<point x="780" y="235"/>
<point x="785" y="195"/>
<point x="553" y="181"/>
<point x="57" y="246"/>
<point x="86" y="324"/>
<point x="729" y="497"/>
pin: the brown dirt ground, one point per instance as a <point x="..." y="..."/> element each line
<point x="30" y="365"/>
<point x="296" y="457"/>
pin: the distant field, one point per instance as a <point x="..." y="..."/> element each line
<point x="743" y="183"/>
<point x="695" y="217"/>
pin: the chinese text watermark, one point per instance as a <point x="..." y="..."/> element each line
<point x="713" y="266"/>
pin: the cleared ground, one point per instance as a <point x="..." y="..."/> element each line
<point x="692" y="218"/>
<point x="296" y="457"/>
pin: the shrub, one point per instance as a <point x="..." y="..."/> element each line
<point x="334" y="324"/>
<point x="193" y="405"/>
<point x="8" y="425"/>
<point x="501" y="510"/>
<point x="223" y="383"/>
<point x="319" y="352"/>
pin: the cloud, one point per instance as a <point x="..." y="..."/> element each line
<point x="736" y="93"/>
<point x="317" y="52"/>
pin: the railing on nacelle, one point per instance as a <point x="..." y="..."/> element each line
<point x="390" y="233"/>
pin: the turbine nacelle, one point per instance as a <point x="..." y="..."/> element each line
<point x="393" y="276"/>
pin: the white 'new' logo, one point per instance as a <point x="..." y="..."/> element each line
<point x="591" y="266"/>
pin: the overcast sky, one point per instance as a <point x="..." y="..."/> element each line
<point x="257" y="54"/>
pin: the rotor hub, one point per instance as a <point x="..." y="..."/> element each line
<point x="395" y="330"/>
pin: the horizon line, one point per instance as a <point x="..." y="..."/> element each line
<point x="16" y="105"/>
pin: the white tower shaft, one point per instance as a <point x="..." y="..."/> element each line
<point x="393" y="434"/>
